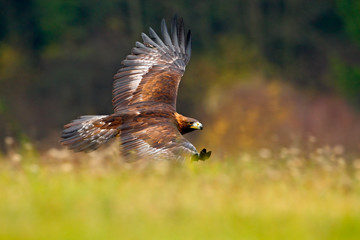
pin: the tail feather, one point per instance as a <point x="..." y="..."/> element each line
<point x="87" y="133"/>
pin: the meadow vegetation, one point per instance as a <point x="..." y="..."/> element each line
<point x="287" y="194"/>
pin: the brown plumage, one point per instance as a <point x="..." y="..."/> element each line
<point x="144" y="99"/>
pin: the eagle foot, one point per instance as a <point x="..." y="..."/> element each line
<point x="203" y="155"/>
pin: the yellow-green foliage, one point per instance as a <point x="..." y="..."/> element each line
<point x="291" y="194"/>
<point x="260" y="114"/>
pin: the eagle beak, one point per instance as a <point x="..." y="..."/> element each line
<point x="197" y="126"/>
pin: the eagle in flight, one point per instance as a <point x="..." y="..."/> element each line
<point x="144" y="100"/>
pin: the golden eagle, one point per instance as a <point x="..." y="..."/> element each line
<point x="144" y="100"/>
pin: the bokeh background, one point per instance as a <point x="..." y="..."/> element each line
<point x="264" y="74"/>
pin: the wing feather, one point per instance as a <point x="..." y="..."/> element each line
<point x="174" y="35"/>
<point x="166" y="35"/>
<point x="152" y="67"/>
<point x="188" y="46"/>
<point x="157" y="38"/>
<point x="181" y="36"/>
<point x="149" y="42"/>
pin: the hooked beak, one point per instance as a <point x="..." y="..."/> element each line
<point x="197" y="126"/>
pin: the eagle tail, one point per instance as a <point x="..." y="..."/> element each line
<point x="87" y="133"/>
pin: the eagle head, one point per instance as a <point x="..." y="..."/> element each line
<point x="191" y="124"/>
<point x="196" y="125"/>
<point x="187" y="124"/>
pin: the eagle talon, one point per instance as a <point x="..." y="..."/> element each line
<point x="203" y="155"/>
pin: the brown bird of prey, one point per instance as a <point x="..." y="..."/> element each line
<point x="144" y="100"/>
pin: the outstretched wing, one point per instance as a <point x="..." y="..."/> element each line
<point x="158" y="140"/>
<point x="152" y="72"/>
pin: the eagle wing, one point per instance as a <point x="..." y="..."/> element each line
<point x="156" y="140"/>
<point x="152" y="72"/>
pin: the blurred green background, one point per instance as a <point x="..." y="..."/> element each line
<point x="263" y="73"/>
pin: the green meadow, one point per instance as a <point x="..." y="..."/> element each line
<point x="288" y="194"/>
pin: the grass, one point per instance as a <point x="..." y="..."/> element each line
<point x="290" y="195"/>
